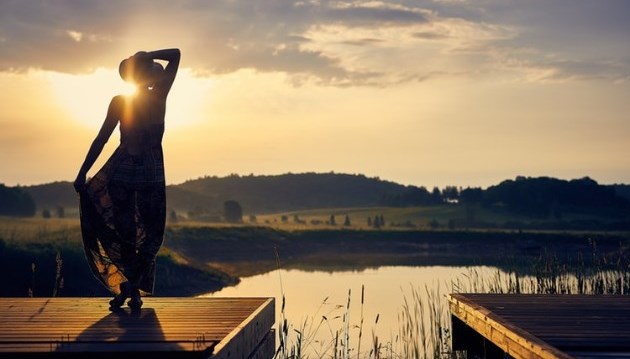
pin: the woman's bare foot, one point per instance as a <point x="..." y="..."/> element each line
<point x="135" y="301"/>
<point x="119" y="299"/>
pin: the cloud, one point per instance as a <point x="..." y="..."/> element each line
<point x="568" y="70"/>
<point x="362" y="42"/>
<point x="75" y="35"/>
<point x="371" y="13"/>
<point x="329" y="42"/>
<point x="48" y="35"/>
<point x="280" y="38"/>
<point x="430" y="35"/>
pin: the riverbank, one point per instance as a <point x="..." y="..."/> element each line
<point x="245" y="251"/>
<point x="48" y="268"/>
<point x="46" y="257"/>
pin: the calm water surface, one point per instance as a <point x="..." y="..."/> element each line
<point x="313" y="295"/>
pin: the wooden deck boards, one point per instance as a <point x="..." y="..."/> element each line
<point x="550" y="326"/>
<point x="193" y="327"/>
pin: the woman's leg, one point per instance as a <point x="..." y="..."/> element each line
<point x="124" y="253"/>
<point x="152" y="217"/>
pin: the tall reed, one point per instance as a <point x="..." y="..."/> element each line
<point x="424" y="326"/>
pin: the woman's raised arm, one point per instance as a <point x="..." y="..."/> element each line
<point x="168" y="75"/>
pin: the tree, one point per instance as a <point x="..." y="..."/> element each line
<point x="555" y="210"/>
<point x="471" y="214"/>
<point x="61" y="213"/>
<point x="346" y="222"/>
<point x="332" y="221"/>
<point x="471" y="195"/>
<point x="232" y="211"/>
<point x="545" y="197"/>
<point x="46" y="213"/>
<point x="14" y="201"/>
<point x="173" y="216"/>
<point x="436" y="196"/>
<point x="411" y="196"/>
<point x="434" y="224"/>
<point x="376" y="222"/>
<point x="450" y="194"/>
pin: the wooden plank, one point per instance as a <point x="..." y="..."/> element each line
<point x="167" y="325"/>
<point x="567" y="322"/>
<point x="247" y="336"/>
<point x="511" y="339"/>
<point x="267" y="348"/>
<point x="559" y="324"/>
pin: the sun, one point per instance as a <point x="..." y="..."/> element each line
<point x="87" y="96"/>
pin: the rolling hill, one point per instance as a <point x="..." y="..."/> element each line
<point x="539" y="198"/>
<point x="257" y="194"/>
<point x="265" y="194"/>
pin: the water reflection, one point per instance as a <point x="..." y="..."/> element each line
<point x="319" y="299"/>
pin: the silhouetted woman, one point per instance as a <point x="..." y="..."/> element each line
<point x="123" y="207"/>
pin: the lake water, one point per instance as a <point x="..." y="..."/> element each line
<point x="316" y="301"/>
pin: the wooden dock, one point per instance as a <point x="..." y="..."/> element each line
<point x="541" y="326"/>
<point x="164" y="328"/>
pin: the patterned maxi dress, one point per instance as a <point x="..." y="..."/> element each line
<point x="123" y="209"/>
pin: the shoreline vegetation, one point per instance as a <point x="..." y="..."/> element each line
<point x="46" y="256"/>
<point x="301" y="249"/>
<point x="424" y="326"/>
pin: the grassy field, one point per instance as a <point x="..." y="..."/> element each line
<point x="428" y="217"/>
<point x="40" y="229"/>
<point x="447" y="216"/>
<point x="45" y="257"/>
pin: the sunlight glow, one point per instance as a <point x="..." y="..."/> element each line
<point x="87" y="96"/>
<point x="188" y="100"/>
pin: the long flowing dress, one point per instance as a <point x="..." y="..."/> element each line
<point x="123" y="207"/>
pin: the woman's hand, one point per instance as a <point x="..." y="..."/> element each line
<point x="79" y="183"/>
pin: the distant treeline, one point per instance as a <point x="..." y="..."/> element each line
<point x="540" y="197"/>
<point x="548" y="197"/>
<point x="15" y="201"/>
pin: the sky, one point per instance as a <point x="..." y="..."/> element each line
<point x="426" y="93"/>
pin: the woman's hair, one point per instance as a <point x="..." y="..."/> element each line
<point x="125" y="70"/>
<point x="139" y="70"/>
